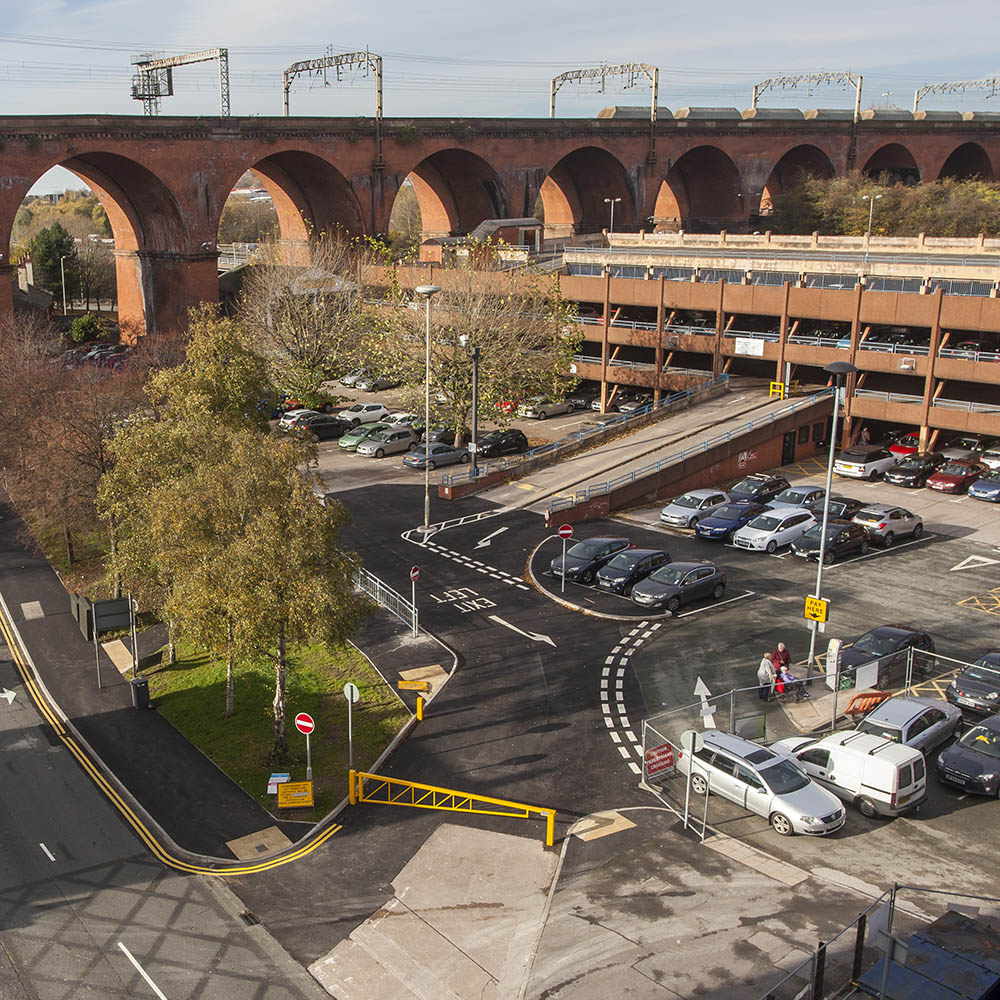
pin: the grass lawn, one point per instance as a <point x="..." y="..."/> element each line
<point x="192" y="695"/>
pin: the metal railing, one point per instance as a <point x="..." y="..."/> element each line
<point x="889" y="397"/>
<point x="818" y="340"/>
<point x="965" y="406"/>
<point x="968" y="354"/>
<point x="234" y="254"/>
<point x="884" y="348"/>
<point x="609" y="423"/>
<point x="394" y="602"/>
<point x="601" y="489"/>
<point x="770" y="336"/>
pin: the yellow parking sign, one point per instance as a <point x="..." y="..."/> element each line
<point x="816" y="609"/>
<point x="295" y="795"/>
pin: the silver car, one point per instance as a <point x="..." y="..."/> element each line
<point x="798" y="496"/>
<point x="763" y="782"/>
<point x="885" y="523"/>
<point x="688" y="509"/>
<point x="388" y="442"/>
<point x="923" y="723"/>
<point x="541" y="408"/>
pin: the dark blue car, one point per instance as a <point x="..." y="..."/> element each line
<point x="719" y="526"/>
<point x="627" y="568"/>
<point x="987" y="488"/>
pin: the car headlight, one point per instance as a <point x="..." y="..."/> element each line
<point x="573" y="571"/>
<point x="992" y="696"/>
<point x="985" y="778"/>
<point x="809" y="819"/>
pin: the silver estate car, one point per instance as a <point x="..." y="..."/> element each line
<point x="392" y="440"/>
<point x="764" y="783"/>
<point x="688" y="509"/>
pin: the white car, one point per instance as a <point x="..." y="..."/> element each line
<point x="541" y="408"/>
<point x="288" y="418"/>
<point x="865" y="462"/>
<point x="364" y="413"/>
<point x="401" y="418"/>
<point x="991" y="458"/>
<point x="688" y="509"/>
<point x="767" y="532"/>
<point x="352" y="377"/>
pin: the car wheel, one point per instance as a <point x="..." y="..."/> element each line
<point x="918" y="529"/>
<point x="355" y="422"/>
<point x="867" y="808"/>
<point x="570" y="407"/>
<point x="693" y="523"/>
<point x="674" y="604"/>
<point x="380" y="453"/>
<point x="829" y="557"/>
<point x="326" y="408"/>
<point x="465" y="459"/>
<point x="781" y="824"/>
<point x="770" y="547"/>
<point x="587" y="577"/>
<point x="888" y="538"/>
<point x="864" y="547"/>
<point x="627" y="589"/>
<point x="431" y="465"/>
<point x="875" y="475"/>
<point x="698" y="784"/>
<point x="720" y="589"/>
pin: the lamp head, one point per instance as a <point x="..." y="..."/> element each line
<point x="427" y="290"/>
<point x="839" y="368"/>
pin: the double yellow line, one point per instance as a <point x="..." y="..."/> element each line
<point x="223" y="868"/>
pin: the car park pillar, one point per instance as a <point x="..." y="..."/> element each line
<point x="929" y="379"/>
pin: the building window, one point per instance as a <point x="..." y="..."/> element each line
<point x="804" y="434"/>
<point x="819" y="431"/>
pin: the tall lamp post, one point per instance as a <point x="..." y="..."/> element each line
<point x="428" y="292"/>
<point x="62" y="275"/>
<point x="612" y="202"/>
<point x="871" y="212"/>
<point x="839" y="370"/>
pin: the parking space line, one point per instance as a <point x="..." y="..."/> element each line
<point x="872" y="553"/>
<point x="717" y="604"/>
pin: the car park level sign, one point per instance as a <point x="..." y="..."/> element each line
<point x="304" y="723"/>
<point x="816" y="609"/>
<point x="565" y="530"/>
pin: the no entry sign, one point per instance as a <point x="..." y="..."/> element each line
<point x="414" y="573"/>
<point x="565" y="530"/>
<point x="304" y="723"/>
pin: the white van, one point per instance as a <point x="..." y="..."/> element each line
<point x="879" y="776"/>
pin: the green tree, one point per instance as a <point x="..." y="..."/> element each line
<point x="86" y="327"/>
<point x="48" y="246"/>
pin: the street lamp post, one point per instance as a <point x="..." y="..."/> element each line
<point x="475" y="410"/>
<point x="612" y="202"/>
<point x="838" y="369"/>
<point x="871" y="212"/>
<point x="62" y="275"/>
<point x="427" y="291"/>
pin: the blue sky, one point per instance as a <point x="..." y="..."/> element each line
<point x="462" y="58"/>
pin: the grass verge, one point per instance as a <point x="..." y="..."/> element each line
<point x="192" y="695"/>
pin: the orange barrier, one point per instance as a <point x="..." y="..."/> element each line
<point x="865" y="701"/>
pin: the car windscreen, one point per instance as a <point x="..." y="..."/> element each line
<point x="913" y="462"/>
<point x="686" y="501"/>
<point x="356" y="408"/>
<point x="783" y="777"/>
<point x="747" y="486"/>
<point x="670" y="575"/>
<point x="729" y="513"/>
<point x="909" y="441"/>
<point x="832" y="530"/>
<point x="586" y="550"/>
<point x="793" y="496"/>
<point x="624" y="560"/>
<point x="381" y="436"/>
<point x="982" y="739"/>
<point x="991" y="477"/>
<point x="876" y="645"/>
<point x="837" y="508"/>
<point x="489" y="438"/>
<point x="882" y="729"/>
<point x="954" y="469"/>
<point x="765" y="522"/>
<point x="982" y="673"/>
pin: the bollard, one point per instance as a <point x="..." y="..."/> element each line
<point x="420" y="708"/>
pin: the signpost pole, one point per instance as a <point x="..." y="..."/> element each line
<point x="414" y="576"/>
<point x="309" y="760"/>
<point x="562" y="581"/>
<point x="132" y="632"/>
<point x="97" y="655"/>
<point x="350" y="735"/>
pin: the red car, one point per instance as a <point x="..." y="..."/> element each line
<point x="956" y="476"/>
<point x="907" y="444"/>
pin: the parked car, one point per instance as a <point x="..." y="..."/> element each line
<point x="991" y="458"/>
<point x="907" y="443"/>
<point x="364" y="413"/>
<point x="434" y="454"/>
<point x="955" y="476"/>
<point x="615" y="403"/>
<point x="637" y="402"/>
<point x="886" y="645"/>
<point x="541" y="408"/>
<point x="497" y="443"/>
<point x="976" y="689"/>
<point x="351" y="378"/>
<point x="842" y="539"/>
<point x="885" y="523"/>
<point x="767" y="532"/>
<point x="583" y="398"/>
<point x="444" y="432"/>
<point x="759" y="487"/>
<point x="287" y="419"/>
<point x="390" y="441"/>
<point x="798" y="496"/>
<point x="973" y="761"/>
<point x="841" y="508"/>
<point x="722" y="522"/>
<point x="319" y="426"/>
<point x="864" y="462"/>
<point x="921" y="723"/>
<point x="623" y="571"/>
<point x="680" y="583"/>
<point x="357" y="433"/>
<point x="375" y="383"/>
<point x="968" y="446"/>
<point x="689" y="508"/>
<point x="879" y="776"/>
<point x="987" y="487"/>
<point x="586" y="557"/>
<point x="763" y="782"/>
<point x="914" y="469"/>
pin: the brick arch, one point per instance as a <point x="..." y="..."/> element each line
<point x="967" y="161"/>
<point x="895" y="160"/>
<point x="800" y="161"/>
<point x="574" y="190"/>
<point x="702" y="192"/>
<point x="456" y="191"/>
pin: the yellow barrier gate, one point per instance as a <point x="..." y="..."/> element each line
<point x="399" y="792"/>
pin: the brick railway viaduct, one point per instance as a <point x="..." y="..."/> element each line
<point x="164" y="181"/>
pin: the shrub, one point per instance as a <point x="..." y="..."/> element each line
<point x="87" y="327"/>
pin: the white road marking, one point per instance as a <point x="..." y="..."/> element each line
<point x="624" y="752"/>
<point x="8" y="696"/>
<point x="638" y="642"/>
<point x="609" y="722"/>
<point x="635" y="767"/>
<point x="534" y="636"/>
<point x="631" y="736"/>
<point x="615" y="738"/>
<point x="48" y="853"/>
<point x="717" y="604"/>
<point x="974" y="562"/>
<point x="623" y="719"/>
<point x="142" y="972"/>
<point x="605" y="708"/>
<point x="605" y="671"/>
<point x="488" y="540"/>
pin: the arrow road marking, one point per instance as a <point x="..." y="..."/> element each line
<point x="974" y="562"/>
<point x="701" y="691"/>
<point x="9" y="695"/>
<point x="485" y="542"/>
<point x="534" y="636"/>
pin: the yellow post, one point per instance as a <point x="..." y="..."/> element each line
<point x="550" y="828"/>
<point x="351" y="797"/>
<point x="420" y="708"/>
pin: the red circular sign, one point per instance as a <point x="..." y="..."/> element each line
<point x="414" y="573"/>
<point x="565" y="530"/>
<point x="304" y="723"/>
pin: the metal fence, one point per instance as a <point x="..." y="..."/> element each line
<point x="390" y="599"/>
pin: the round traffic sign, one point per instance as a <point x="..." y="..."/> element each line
<point x="414" y="573"/>
<point x="565" y="530"/>
<point x="351" y="692"/>
<point x="304" y="723"/>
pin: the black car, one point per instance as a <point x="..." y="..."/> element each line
<point x="626" y="569"/>
<point x="842" y="538"/>
<point x="761" y="488"/>
<point x="441" y="432"/>
<point x="914" y="470"/>
<point x="972" y="762"/>
<point x="584" y="559"/>
<point x="888" y="645"/>
<point x="680" y="583"/>
<point x="582" y="398"/>
<point x="841" y="508"/>
<point x="320" y="427"/>
<point x="497" y="443"/>
<point x="977" y="688"/>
